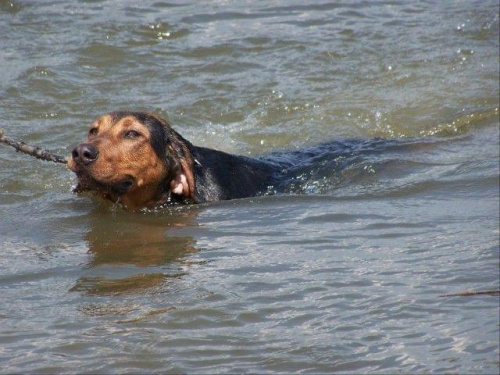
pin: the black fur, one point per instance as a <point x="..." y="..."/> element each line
<point x="222" y="176"/>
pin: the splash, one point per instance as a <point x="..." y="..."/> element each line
<point x="463" y="124"/>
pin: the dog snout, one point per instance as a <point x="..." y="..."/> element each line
<point x="85" y="154"/>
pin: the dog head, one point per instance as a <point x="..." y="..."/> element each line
<point x="135" y="158"/>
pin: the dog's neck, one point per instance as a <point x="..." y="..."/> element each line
<point x="216" y="176"/>
<point x="220" y="176"/>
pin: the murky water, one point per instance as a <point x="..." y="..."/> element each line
<point x="342" y="273"/>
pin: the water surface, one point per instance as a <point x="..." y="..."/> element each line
<point x="341" y="273"/>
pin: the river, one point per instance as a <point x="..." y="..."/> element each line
<point x="344" y="272"/>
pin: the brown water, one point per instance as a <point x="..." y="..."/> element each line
<point x="342" y="274"/>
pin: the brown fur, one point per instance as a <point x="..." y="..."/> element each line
<point x="121" y="159"/>
<point x="138" y="160"/>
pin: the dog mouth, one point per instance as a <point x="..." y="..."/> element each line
<point x="87" y="183"/>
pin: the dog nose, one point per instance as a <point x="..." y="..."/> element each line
<point x="85" y="154"/>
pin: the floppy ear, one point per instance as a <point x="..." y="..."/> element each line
<point x="180" y="160"/>
<point x="183" y="179"/>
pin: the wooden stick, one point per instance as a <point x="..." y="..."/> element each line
<point x="37" y="152"/>
<point x="469" y="293"/>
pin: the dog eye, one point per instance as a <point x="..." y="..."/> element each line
<point x="132" y="134"/>
<point x="93" y="131"/>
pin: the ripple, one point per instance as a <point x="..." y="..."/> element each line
<point x="339" y="272"/>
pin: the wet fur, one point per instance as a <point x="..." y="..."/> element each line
<point x="162" y="166"/>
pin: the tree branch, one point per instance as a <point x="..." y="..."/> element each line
<point x="37" y="152"/>
<point x="470" y="293"/>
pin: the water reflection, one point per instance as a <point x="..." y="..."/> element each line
<point x="134" y="252"/>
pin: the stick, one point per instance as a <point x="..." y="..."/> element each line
<point x="37" y="152"/>
<point x="467" y="294"/>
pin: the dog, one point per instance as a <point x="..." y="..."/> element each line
<point x="138" y="160"/>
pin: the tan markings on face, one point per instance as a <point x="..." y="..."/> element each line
<point x="125" y="153"/>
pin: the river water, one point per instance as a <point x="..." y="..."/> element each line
<point x="344" y="272"/>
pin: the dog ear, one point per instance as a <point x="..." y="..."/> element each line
<point x="180" y="161"/>
<point x="183" y="182"/>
